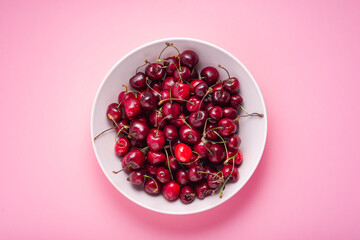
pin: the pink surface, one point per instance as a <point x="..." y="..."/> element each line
<point x="304" y="55"/>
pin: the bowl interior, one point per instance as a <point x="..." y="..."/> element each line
<point x="252" y="130"/>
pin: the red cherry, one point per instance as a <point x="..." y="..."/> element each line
<point x="125" y="95"/>
<point x="179" y="122"/>
<point x="122" y="146"/>
<point x="234" y="142"/>
<point x="113" y="112"/>
<point x="230" y="113"/>
<point x="201" y="149"/>
<point x="183" y="152"/>
<point x="155" y="158"/>
<point x="136" y="177"/>
<point x="210" y="75"/>
<point x="217" y="154"/>
<point x="194" y="83"/>
<point x="168" y="83"/>
<point x="202" y="190"/>
<point x="152" y="186"/>
<point x="189" y="135"/>
<point x="196" y="173"/>
<point x="180" y="91"/>
<point x="172" y="64"/>
<point x="171" y="190"/>
<point x="132" y="108"/>
<point x="171" y="110"/>
<point x="189" y="58"/>
<point x="235" y="101"/>
<point x="138" y="81"/>
<point x="231" y="85"/>
<point x="155" y="71"/>
<point x="135" y="159"/>
<point x="187" y="194"/>
<point x="155" y="140"/>
<point x="214" y="180"/>
<point x="172" y="163"/>
<point x="163" y="175"/>
<point x="194" y="104"/>
<point x="230" y="170"/>
<point x="227" y="127"/>
<point x="182" y="177"/>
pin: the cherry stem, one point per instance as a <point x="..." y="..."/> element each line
<point x="231" y="158"/>
<point x="157" y="186"/>
<point x="248" y="114"/>
<point x="224" y="69"/>
<point x="189" y="163"/>
<point x="204" y="141"/>
<point x="168" y="116"/>
<point x="144" y="149"/>
<point x="147" y="84"/>
<point x="210" y="90"/>
<point x="175" y="99"/>
<point x="227" y="154"/>
<point x="140" y="67"/>
<point x="168" y="161"/>
<point x="214" y="129"/>
<point x="117" y="134"/>
<point x="116" y="172"/>
<point x="103" y="132"/>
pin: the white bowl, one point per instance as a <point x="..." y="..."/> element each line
<point x="252" y="132"/>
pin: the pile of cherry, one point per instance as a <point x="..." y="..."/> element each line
<point x="176" y="130"/>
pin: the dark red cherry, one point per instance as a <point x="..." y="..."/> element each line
<point x="209" y="169"/>
<point x="156" y="118"/>
<point x="214" y="179"/>
<point x="233" y="142"/>
<point x="202" y="190"/>
<point x="168" y="83"/>
<point x="194" y="74"/>
<point x="171" y="110"/>
<point x="188" y="135"/>
<point x="194" y="161"/>
<point x="137" y="143"/>
<point x="187" y="194"/>
<point x="135" y="159"/>
<point x="152" y="186"/>
<point x="155" y="158"/>
<point x="136" y="177"/>
<point x="172" y="163"/>
<point x="163" y="175"/>
<point x="201" y="89"/>
<point x="196" y="173"/>
<point x="230" y="170"/>
<point x="216" y="113"/>
<point x="182" y="74"/>
<point x="210" y="134"/>
<point x="155" y="140"/>
<point x="227" y="127"/>
<point x="202" y="149"/>
<point x="148" y="101"/>
<point x="150" y="169"/>
<point x="125" y="167"/>
<point x="231" y="85"/>
<point x="189" y="58"/>
<point x="235" y="101"/>
<point x="217" y="154"/>
<point x="122" y="125"/>
<point x="122" y="146"/>
<point x="209" y="106"/>
<point x="171" y="190"/>
<point x="165" y="94"/>
<point x="194" y="83"/>
<point x="230" y="113"/>
<point x="172" y="64"/>
<point x="238" y="158"/>
<point x="139" y="130"/>
<point x="197" y="119"/>
<point x="180" y="91"/>
<point x="183" y="152"/>
<point x="138" y="81"/>
<point x="179" y="122"/>
<point x="210" y="75"/>
<point x="221" y="97"/>
<point x="194" y="104"/>
<point x="155" y="71"/>
<point x="124" y="95"/>
<point x="113" y="112"/>
<point x="182" y="177"/>
<point x="170" y="133"/>
<point x="217" y="87"/>
<point x="132" y="108"/>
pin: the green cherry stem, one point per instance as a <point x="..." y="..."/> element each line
<point x="104" y="132"/>
<point x="175" y="99"/>
<point x="168" y="161"/>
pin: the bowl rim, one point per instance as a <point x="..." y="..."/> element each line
<point x="230" y="195"/>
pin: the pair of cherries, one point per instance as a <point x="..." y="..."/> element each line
<point x="176" y="129"/>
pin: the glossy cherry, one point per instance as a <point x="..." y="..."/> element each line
<point x="189" y="58"/>
<point x="187" y="194"/>
<point x="156" y="118"/>
<point x="163" y="175"/>
<point x="233" y="142"/>
<point x="171" y="110"/>
<point x="170" y="133"/>
<point x="197" y="119"/>
<point x="227" y="127"/>
<point x="235" y="101"/>
<point x="171" y="190"/>
<point x="216" y="113"/>
<point x="172" y="163"/>
<point x="217" y="154"/>
<point x="155" y="71"/>
<point x="155" y="158"/>
<point x="122" y="146"/>
<point x="210" y="132"/>
<point x="135" y="159"/>
<point x="194" y="83"/>
<point x="123" y="96"/>
<point x="202" y="190"/>
<point x="168" y="83"/>
<point x="155" y="140"/>
<point x="172" y="64"/>
<point x="149" y="101"/>
<point x="232" y="171"/>
<point x="231" y="85"/>
<point x="152" y="186"/>
<point x="139" y="130"/>
<point x="189" y="135"/>
<point x="221" y="97"/>
<point x="210" y="75"/>
<point x="113" y="113"/>
<point x="178" y="122"/>
<point x="230" y="113"/>
<point x="180" y="91"/>
<point x="194" y="104"/>
<point x="196" y="173"/>
<point x="182" y="177"/>
<point x="182" y="74"/>
<point x="138" y="81"/>
<point x="201" y="149"/>
<point x="136" y="177"/>
<point x="201" y="89"/>
<point x="214" y="180"/>
<point x="183" y="152"/>
<point x="132" y="108"/>
<point x="150" y="169"/>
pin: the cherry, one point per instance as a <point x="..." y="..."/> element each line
<point x="202" y="190"/>
<point x="132" y="108"/>
<point x="152" y="186"/>
<point x="150" y="169"/>
<point x="238" y="158"/>
<point x="138" y="81"/>
<point x="201" y="89"/>
<point x="123" y="96"/>
<point x="137" y="143"/>
<point x="183" y="152"/>
<point x="179" y="122"/>
<point x="171" y="190"/>
<point x="217" y="154"/>
<point x="155" y="158"/>
<point x="156" y="88"/>
<point x="148" y="101"/>
<point x="233" y="142"/>
<point x="221" y="97"/>
<point x="217" y="87"/>
<point x="209" y="106"/>
<point x="182" y="177"/>
<point x="187" y="194"/>
<point x="209" y="169"/>
<point x="230" y="112"/>
<point x="165" y="94"/>
<point x="172" y="64"/>
<point x="197" y="119"/>
<point x="228" y="127"/>
<point x="155" y="71"/>
<point x="194" y="104"/>
<point x="196" y="173"/>
<point x="183" y="74"/>
<point x="170" y="133"/>
<point x="172" y="163"/>
<point x="231" y="85"/>
<point x="201" y="149"/>
<point x="122" y="146"/>
<point x="134" y="159"/>
<point x="230" y="171"/>
<point x="189" y="58"/>
<point x="136" y="177"/>
<point x="188" y="135"/>
<point x="168" y="83"/>
<point x="171" y="110"/>
<point x="180" y="91"/>
<point x="155" y="140"/>
<point x="210" y="75"/>
<point x="124" y="123"/>
<point x="163" y="175"/>
<point x="210" y="134"/>
<point x="139" y="130"/>
<point x="194" y="74"/>
<point x="194" y="83"/>
<point x="194" y="161"/>
<point x="125" y="167"/>
<point x="114" y="113"/>
<point x="214" y="180"/>
<point x="156" y="119"/>
<point x="216" y="113"/>
<point x="235" y="101"/>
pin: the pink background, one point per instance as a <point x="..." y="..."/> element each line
<point x="304" y="55"/>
